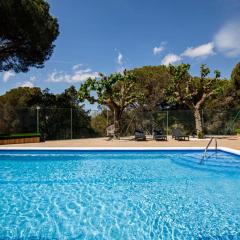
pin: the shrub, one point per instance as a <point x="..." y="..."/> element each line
<point x="237" y="131"/>
<point x="200" y="135"/>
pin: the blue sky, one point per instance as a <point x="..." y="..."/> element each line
<point x="109" y="35"/>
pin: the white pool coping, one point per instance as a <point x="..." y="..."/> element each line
<point x="225" y="149"/>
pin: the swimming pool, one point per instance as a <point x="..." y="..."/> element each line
<point x="119" y="195"/>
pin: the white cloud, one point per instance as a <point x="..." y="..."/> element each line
<point x="120" y="59"/>
<point x="27" y="84"/>
<point x="32" y="79"/>
<point x="59" y="77"/>
<point x="78" y="75"/>
<point x="204" y="50"/>
<point x="120" y="62"/>
<point x="157" y="50"/>
<point x="7" y="75"/>
<point x="161" y="48"/>
<point x="170" y="59"/>
<point x="82" y="75"/>
<point x="227" y="40"/>
<point x="76" y="67"/>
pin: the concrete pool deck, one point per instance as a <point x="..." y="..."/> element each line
<point x="226" y="141"/>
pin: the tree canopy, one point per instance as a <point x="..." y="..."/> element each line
<point x="117" y="92"/>
<point x="27" y="33"/>
<point x="198" y="104"/>
<point x="235" y="77"/>
<point x="192" y="91"/>
<point x="18" y="109"/>
<point x="152" y="82"/>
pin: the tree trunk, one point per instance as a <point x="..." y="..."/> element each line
<point x="198" y="121"/>
<point x="117" y="124"/>
<point x="117" y="112"/>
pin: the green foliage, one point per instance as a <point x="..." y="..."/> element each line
<point x="200" y="135"/>
<point x="27" y="33"/>
<point x="192" y="91"/>
<point x="99" y="123"/>
<point x="223" y="98"/>
<point x="18" y="111"/>
<point x="235" y="77"/>
<point x="135" y="99"/>
<point x="117" y="90"/>
<point x="152" y="81"/>
<point x="229" y="96"/>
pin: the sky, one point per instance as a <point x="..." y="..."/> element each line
<point x="109" y="35"/>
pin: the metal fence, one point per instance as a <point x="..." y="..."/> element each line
<point x="67" y="123"/>
<point x="214" y="122"/>
<point x="52" y="123"/>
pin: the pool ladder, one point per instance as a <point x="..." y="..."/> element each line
<point x="206" y="149"/>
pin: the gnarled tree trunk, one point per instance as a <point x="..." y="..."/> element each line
<point x="117" y="122"/>
<point x="117" y="113"/>
<point x="198" y="121"/>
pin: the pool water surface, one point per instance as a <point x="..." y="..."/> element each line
<point x="119" y="195"/>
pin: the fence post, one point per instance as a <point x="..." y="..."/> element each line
<point x="167" y="123"/>
<point x="114" y="117"/>
<point x="38" y="118"/>
<point x="71" y="125"/>
<point x="107" y="118"/>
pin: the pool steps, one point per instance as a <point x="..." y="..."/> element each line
<point x="206" y="149"/>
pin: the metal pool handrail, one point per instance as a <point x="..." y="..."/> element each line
<point x="208" y="145"/>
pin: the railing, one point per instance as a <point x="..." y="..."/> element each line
<point x="206" y="149"/>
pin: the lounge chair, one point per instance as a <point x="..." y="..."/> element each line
<point x="177" y="134"/>
<point x="140" y="135"/>
<point x="159" y="136"/>
<point x="110" y="131"/>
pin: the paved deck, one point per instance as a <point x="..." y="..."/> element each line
<point x="231" y="142"/>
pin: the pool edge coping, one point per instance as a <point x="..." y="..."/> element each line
<point x="224" y="149"/>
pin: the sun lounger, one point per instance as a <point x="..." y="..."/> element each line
<point x="159" y="136"/>
<point x="177" y="134"/>
<point x="140" y="135"/>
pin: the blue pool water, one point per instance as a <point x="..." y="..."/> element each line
<point x="119" y="195"/>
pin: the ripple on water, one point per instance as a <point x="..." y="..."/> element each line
<point x="117" y="196"/>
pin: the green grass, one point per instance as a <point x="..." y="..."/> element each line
<point x="19" y="135"/>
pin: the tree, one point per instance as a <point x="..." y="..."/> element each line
<point x="152" y="81"/>
<point x="56" y="114"/>
<point x="99" y="122"/>
<point x="192" y="91"/>
<point x="27" y="33"/>
<point x="18" y="113"/>
<point x="15" y="114"/>
<point x="235" y="78"/>
<point x="117" y="92"/>
<point x="230" y="97"/>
